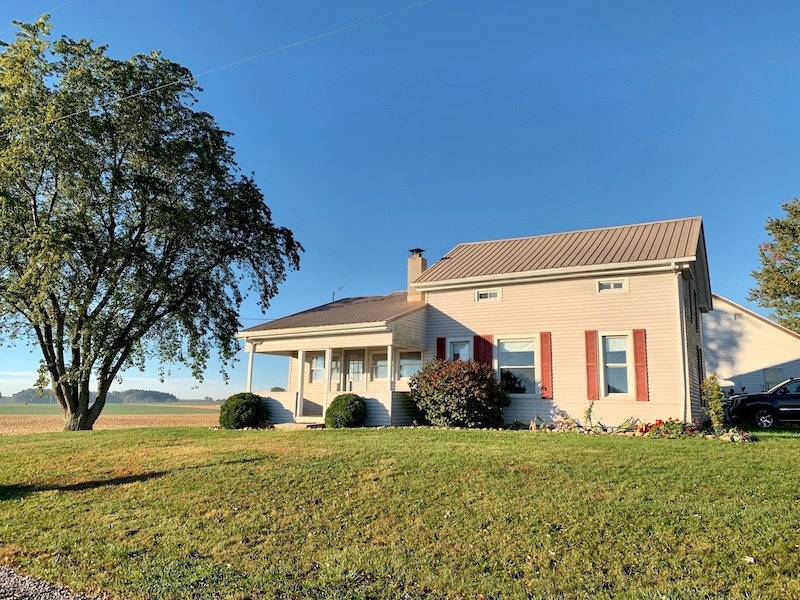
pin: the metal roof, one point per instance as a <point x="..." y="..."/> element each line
<point x="367" y="309"/>
<point x="663" y="240"/>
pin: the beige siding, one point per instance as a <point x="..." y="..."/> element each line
<point x="567" y="309"/>
<point x="694" y="343"/>
<point x="740" y="345"/>
<point x="280" y="406"/>
<point x="355" y="340"/>
<point x="410" y="331"/>
<point x="379" y="406"/>
<point x="403" y="410"/>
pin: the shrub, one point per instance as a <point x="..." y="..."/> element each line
<point x="243" y="410"/>
<point x="715" y="402"/>
<point x="346" y="410"/>
<point x="459" y="394"/>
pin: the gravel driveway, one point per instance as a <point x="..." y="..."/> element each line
<point x="17" y="587"/>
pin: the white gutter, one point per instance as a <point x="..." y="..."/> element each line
<point x="306" y="332"/>
<point x="558" y="274"/>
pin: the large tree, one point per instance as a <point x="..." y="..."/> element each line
<point x="129" y="233"/>
<point x="778" y="278"/>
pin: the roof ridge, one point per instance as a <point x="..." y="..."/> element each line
<point x="558" y="233"/>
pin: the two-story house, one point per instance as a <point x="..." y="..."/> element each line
<point x="610" y="315"/>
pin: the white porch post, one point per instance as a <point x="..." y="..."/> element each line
<point x="390" y="366"/>
<point x="327" y="376"/>
<point x="250" y="357"/>
<point x="301" y="367"/>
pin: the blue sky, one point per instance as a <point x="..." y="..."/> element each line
<point x="468" y="120"/>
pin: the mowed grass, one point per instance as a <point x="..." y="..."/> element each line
<point x="401" y="513"/>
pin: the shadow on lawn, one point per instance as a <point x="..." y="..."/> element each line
<point x="15" y="492"/>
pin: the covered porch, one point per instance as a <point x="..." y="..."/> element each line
<point x="367" y="346"/>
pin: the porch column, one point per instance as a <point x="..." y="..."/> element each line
<point x="301" y="367"/>
<point x="250" y="357"/>
<point x="328" y="360"/>
<point x="390" y="366"/>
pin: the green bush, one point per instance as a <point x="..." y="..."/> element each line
<point x="715" y="402"/>
<point x="243" y="410"/>
<point x="346" y="410"/>
<point x="459" y="394"/>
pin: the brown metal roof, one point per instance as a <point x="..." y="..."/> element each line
<point x="367" y="309"/>
<point x="664" y="240"/>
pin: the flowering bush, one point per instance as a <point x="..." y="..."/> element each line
<point x="671" y="428"/>
<point x="459" y="394"/>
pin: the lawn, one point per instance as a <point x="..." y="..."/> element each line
<point x="401" y="513"/>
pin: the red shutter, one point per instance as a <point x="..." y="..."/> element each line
<point x="441" y="348"/>
<point x="591" y="366"/>
<point x="483" y="349"/>
<point x="547" y="365"/>
<point x="640" y="364"/>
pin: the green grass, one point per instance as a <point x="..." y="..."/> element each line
<point x="402" y="513"/>
<point x="38" y="410"/>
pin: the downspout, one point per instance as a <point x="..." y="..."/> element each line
<point x="682" y="336"/>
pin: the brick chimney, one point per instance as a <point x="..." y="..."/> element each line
<point x="416" y="266"/>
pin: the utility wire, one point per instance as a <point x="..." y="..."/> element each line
<point x="227" y="66"/>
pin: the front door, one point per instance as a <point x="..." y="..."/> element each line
<point x="354" y="371"/>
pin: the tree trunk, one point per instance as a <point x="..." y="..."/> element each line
<point x="77" y="421"/>
<point x="84" y="415"/>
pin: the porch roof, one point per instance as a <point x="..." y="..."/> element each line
<point x="366" y="310"/>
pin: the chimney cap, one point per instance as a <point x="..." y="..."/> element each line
<point x="416" y="251"/>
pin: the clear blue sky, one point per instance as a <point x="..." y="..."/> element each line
<point x="467" y="120"/>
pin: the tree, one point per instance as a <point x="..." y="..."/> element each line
<point x="778" y="278"/>
<point x="129" y="231"/>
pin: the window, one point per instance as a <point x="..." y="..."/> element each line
<point x="380" y="365"/>
<point x="603" y="286"/>
<point x="459" y="349"/>
<point x="516" y="361"/>
<point x="615" y="368"/>
<point x="336" y="372"/>
<point x="317" y="371"/>
<point x="492" y="295"/>
<point x="409" y="364"/>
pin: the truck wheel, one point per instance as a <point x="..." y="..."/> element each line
<point x="764" y="418"/>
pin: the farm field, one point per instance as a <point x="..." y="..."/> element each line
<point x="16" y="419"/>
<point x="401" y="513"/>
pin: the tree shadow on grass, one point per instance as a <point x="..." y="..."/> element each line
<point x="15" y="492"/>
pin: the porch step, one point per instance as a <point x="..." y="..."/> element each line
<point x="302" y="424"/>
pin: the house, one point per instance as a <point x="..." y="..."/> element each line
<point x="747" y="350"/>
<point x="608" y="315"/>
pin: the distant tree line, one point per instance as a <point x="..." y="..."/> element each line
<point x="34" y="396"/>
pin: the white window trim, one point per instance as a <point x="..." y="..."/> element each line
<point x="601" y="363"/>
<point x="537" y="359"/>
<point x="397" y="363"/>
<point x="467" y="339"/>
<point x="310" y="357"/>
<point x="623" y="290"/>
<point x="497" y="298"/>
<point x="372" y="362"/>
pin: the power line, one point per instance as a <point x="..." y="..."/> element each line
<point x="227" y="66"/>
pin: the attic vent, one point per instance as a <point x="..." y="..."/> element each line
<point x="738" y="316"/>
